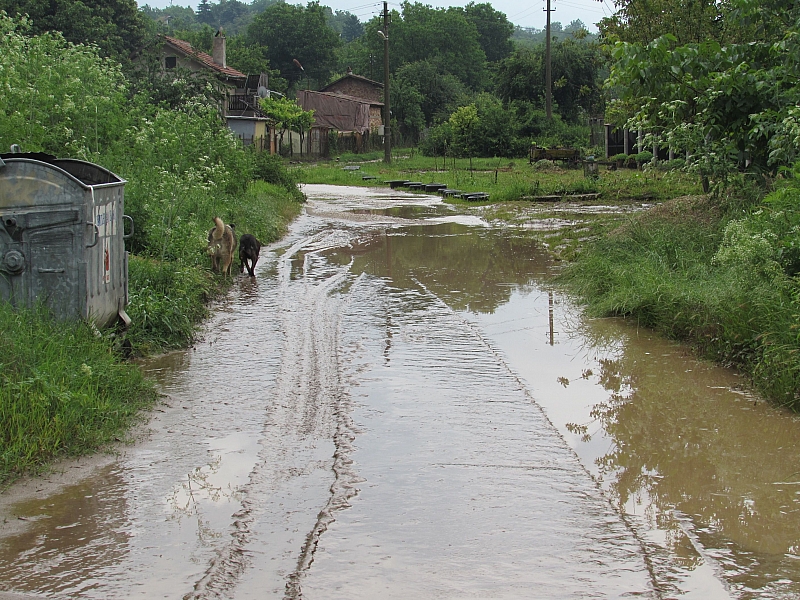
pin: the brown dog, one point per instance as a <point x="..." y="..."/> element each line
<point x="221" y="246"/>
<point x="249" y="248"/>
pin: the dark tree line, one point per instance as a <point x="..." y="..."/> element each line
<point x="441" y="59"/>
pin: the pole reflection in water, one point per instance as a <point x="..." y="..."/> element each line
<point x="703" y="471"/>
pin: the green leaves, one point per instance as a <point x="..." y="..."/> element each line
<point x="737" y="100"/>
<point x="290" y="32"/>
<point x="56" y="95"/>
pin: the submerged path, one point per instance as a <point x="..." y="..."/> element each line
<point x="378" y="415"/>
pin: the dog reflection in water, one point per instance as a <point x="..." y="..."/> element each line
<point x="249" y="248"/>
<point x="221" y="246"/>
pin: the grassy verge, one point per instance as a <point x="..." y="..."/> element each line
<point x="63" y="391"/>
<point x="504" y="179"/>
<point x="717" y="278"/>
<point x="168" y="298"/>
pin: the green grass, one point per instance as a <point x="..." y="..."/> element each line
<point x="505" y="180"/>
<point x="660" y="270"/>
<point x="63" y="391"/>
<point x="64" y="388"/>
<point x="168" y="298"/>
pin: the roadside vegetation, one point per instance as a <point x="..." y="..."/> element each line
<point x="63" y="391"/>
<point x="719" y="270"/>
<point x="505" y="180"/>
<point x="64" y="388"/>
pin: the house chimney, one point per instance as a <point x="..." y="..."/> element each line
<point x="218" y="49"/>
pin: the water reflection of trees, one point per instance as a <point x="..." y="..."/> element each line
<point x="470" y="268"/>
<point x="684" y="442"/>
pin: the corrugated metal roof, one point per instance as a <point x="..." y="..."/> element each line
<point x="187" y="49"/>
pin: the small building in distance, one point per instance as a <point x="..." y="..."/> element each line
<point x="179" y="54"/>
<point x="358" y="87"/>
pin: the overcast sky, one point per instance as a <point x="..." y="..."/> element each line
<point x="526" y="14"/>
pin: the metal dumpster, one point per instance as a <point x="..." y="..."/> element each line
<point x="61" y="237"/>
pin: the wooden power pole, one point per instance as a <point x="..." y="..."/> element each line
<point x="548" y="73"/>
<point x="387" y="113"/>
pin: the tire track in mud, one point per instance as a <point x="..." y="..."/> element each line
<point x="308" y="404"/>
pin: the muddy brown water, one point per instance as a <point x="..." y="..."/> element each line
<point x="400" y="405"/>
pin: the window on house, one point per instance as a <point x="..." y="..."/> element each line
<point x="170" y="62"/>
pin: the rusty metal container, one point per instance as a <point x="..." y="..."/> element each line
<point x="61" y="237"/>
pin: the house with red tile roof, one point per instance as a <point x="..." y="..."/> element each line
<point x="181" y="54"/>
<point x="240" y="109"/>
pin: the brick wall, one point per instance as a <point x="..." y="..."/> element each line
<point x="357" y="89"/>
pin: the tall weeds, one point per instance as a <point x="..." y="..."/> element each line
<point x="63" y="391"/>
<point x="695" y="274"/>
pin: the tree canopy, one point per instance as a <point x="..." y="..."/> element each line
<point x="293" y="34"/>
<point x="729" y="104"/>
<point x="115" y="26"/>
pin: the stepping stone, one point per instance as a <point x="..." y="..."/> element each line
<point x="366" y="177"/>
<point x="434" y="187"/>
<point x="475" y="196"/>
<point x="351" y="168"/>
<point x="395" y="183"/>
<point x="447" y="192"/>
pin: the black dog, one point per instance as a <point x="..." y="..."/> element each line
<point x="249" y="247"/>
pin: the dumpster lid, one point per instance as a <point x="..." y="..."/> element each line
<point x="42" y="156"/>
<point x="85" y="172"/>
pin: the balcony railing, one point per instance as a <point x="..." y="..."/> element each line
<point x="244" y="103"/>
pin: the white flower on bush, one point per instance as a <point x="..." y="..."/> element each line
<point x="754" y="251"/>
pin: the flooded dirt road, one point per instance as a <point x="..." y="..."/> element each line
<point x="399" y="406"/>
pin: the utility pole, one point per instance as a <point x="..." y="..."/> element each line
<point x="548" y="74"/>
<point x="387" y="114"/>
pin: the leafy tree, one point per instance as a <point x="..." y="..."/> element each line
<point x="231" y="16"/>
<point x="287" y="115"/>
<point x="295" y="33"/>
<point x="345" y="24"/>
<point x="728" y="105"/>
<point x="204" y="15"/>
<point x="690" y="21"/>
<point x="115" y="26"/>
<point x="171" y="18"/>
<point x="252" y="59"/>
<point x="57" y="95"/>
<point x="407" y="109"/>
<point x="445" y="35"/>
<point x="436" y="94"/>
<point x="576" y="77"/>
<point x="422" y="33"/>
<point x="482" y="128"/>
<point x="494" y="30"/>
<point x="352" y="28"/>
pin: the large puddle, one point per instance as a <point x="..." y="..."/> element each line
<point x="400" y="405"/>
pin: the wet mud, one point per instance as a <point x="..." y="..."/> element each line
<point x="401" y="405"/>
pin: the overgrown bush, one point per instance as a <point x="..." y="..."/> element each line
<point x="167" y="300"/>
<point x="271" y="169"/>
<point x="63" y="390"/>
